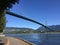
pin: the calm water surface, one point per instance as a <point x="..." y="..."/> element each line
<point x="39" y="39"/>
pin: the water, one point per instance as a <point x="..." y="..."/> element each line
<point x="39" y="39"/>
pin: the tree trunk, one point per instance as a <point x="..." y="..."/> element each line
<point x="2" y="20"/>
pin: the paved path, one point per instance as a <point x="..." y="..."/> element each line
<point x="15" y="41"/>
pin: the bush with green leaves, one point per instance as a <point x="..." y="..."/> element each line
<point x="4" y="5"/>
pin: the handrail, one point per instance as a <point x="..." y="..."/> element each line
<point x="25" y="18"/>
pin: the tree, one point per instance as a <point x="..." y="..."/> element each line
<point x="4" y="5"/>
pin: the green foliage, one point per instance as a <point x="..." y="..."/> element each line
<point x="2" y="20"/>
<point x="5" y="4"/>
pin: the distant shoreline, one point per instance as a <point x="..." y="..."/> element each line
<point x="36" y="33"/>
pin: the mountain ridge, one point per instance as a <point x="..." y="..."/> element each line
<point x="53" y="27"/>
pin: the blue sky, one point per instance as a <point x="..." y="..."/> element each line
<point x="46" y="12"/>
